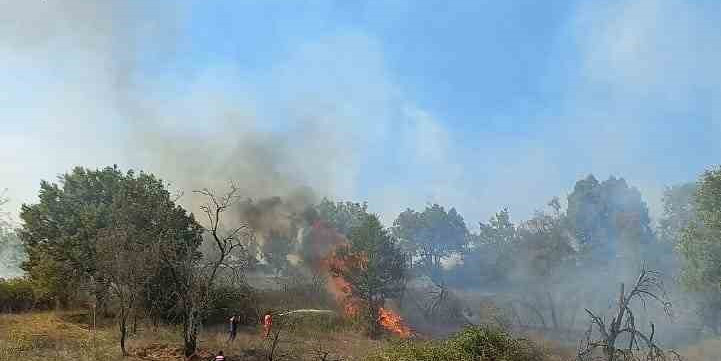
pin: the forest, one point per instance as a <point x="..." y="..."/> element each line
<point x="590" y="273"/>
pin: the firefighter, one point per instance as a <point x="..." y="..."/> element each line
<point x="267" y="324"/>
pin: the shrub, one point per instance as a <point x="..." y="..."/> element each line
<point x="472" y="344"/>
<point x="233" y="300"/>
<point x="18" y="294"/>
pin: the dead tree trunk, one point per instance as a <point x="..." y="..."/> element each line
<point x="123" y="324"/>
<point x="190" y="332"/>
<point x="647" y="287"/>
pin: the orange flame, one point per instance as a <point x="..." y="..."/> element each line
<point x="326" y="240"/>
<point x="393" y="323"/>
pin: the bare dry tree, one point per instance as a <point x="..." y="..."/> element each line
<point x="640" y="346"/>
<point x="229" y="245"/>
<point x="196" y="274"/>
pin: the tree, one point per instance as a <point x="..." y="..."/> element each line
<point x="678" y="212"/>
<point x="98" y="227"/>
<point x="610" y="221"/>
<point x="700" y="248"/>
<point x="224" y="254"/>
<point x="276" y="249"/>
<point x="126" y="265"/>
<point x="434" y="234"/>
<point x="142" y="217"/>
<point x="343" y="216"/>
<point x="544" y="254"/>
<point x="373" y="267"/>
<point x="59" y="232"/>
<point x="648" y="287"/>
<point x="495" y="243"/>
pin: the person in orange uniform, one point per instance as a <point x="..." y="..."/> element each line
<point x="267" y="324"/>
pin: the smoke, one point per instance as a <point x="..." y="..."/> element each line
<point x="327" y="115"/>
<point x="102" y="85"/>
<point x="11" y="250"/>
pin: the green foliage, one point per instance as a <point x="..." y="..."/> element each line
<point x="343" y="216"/>
<point x="607" y="216"/>
<point x="545" y="247"/>
<point x="62" y="230"/>
<point x="228" y="300"/>
<point x="678" y="211"/>
<point x="700" y="248"/>
<point x="433" y="235"/>
<point x="493" y="249"/>
<point x="472" y="344"/>
<point x="373" y="266"/>
<point x="18" y="294"/>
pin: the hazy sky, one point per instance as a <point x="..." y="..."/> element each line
<point x="475" y="104"/>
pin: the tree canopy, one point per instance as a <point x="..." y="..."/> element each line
<point x="433" y="235"/>
<point x="62" y="230"/>
<point x="609" y="219"/>
<point x="372" y="265"/>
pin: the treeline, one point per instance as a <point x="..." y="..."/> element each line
<point x="118" y="242"/>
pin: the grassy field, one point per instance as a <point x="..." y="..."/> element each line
<point x="67" y="336"/>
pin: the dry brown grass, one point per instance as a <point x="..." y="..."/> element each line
<point x="46" y="336"/>
<point x="65" y="336"/>
<point x="707" y="350"/>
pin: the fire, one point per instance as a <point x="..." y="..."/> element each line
<point x="326" y="240"/>
<point x="393" y="323"/>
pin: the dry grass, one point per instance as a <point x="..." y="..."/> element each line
<point x="708" y="350"/>
<point x="46" y="336"/>
<point x="65" y="336"/>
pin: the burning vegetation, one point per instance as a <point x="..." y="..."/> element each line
<point x="118" y="243"/>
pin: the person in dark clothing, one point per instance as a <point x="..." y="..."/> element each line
<point x="234" y="321"/>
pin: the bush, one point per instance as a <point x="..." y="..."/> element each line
<point x="233" y="300"/>
<point x="18" y="294"/>
<point x="471" y="344"/>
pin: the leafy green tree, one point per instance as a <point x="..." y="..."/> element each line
<point x="700" y="248"/>
<point x="343" y="216"/>
<point x="373" y="266"/>
<point x="609" y="219"/>
<point x="62" y="231"/>
<point x="434" y="235"/>
<point x="497" y="240"/>
<point x="59" y="232"/>
<point x="489" y="253"/>
<point x="678" y="212"/>
<point x="143" y="218"/>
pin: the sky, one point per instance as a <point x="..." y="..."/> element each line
<point x="479" y="105"/>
